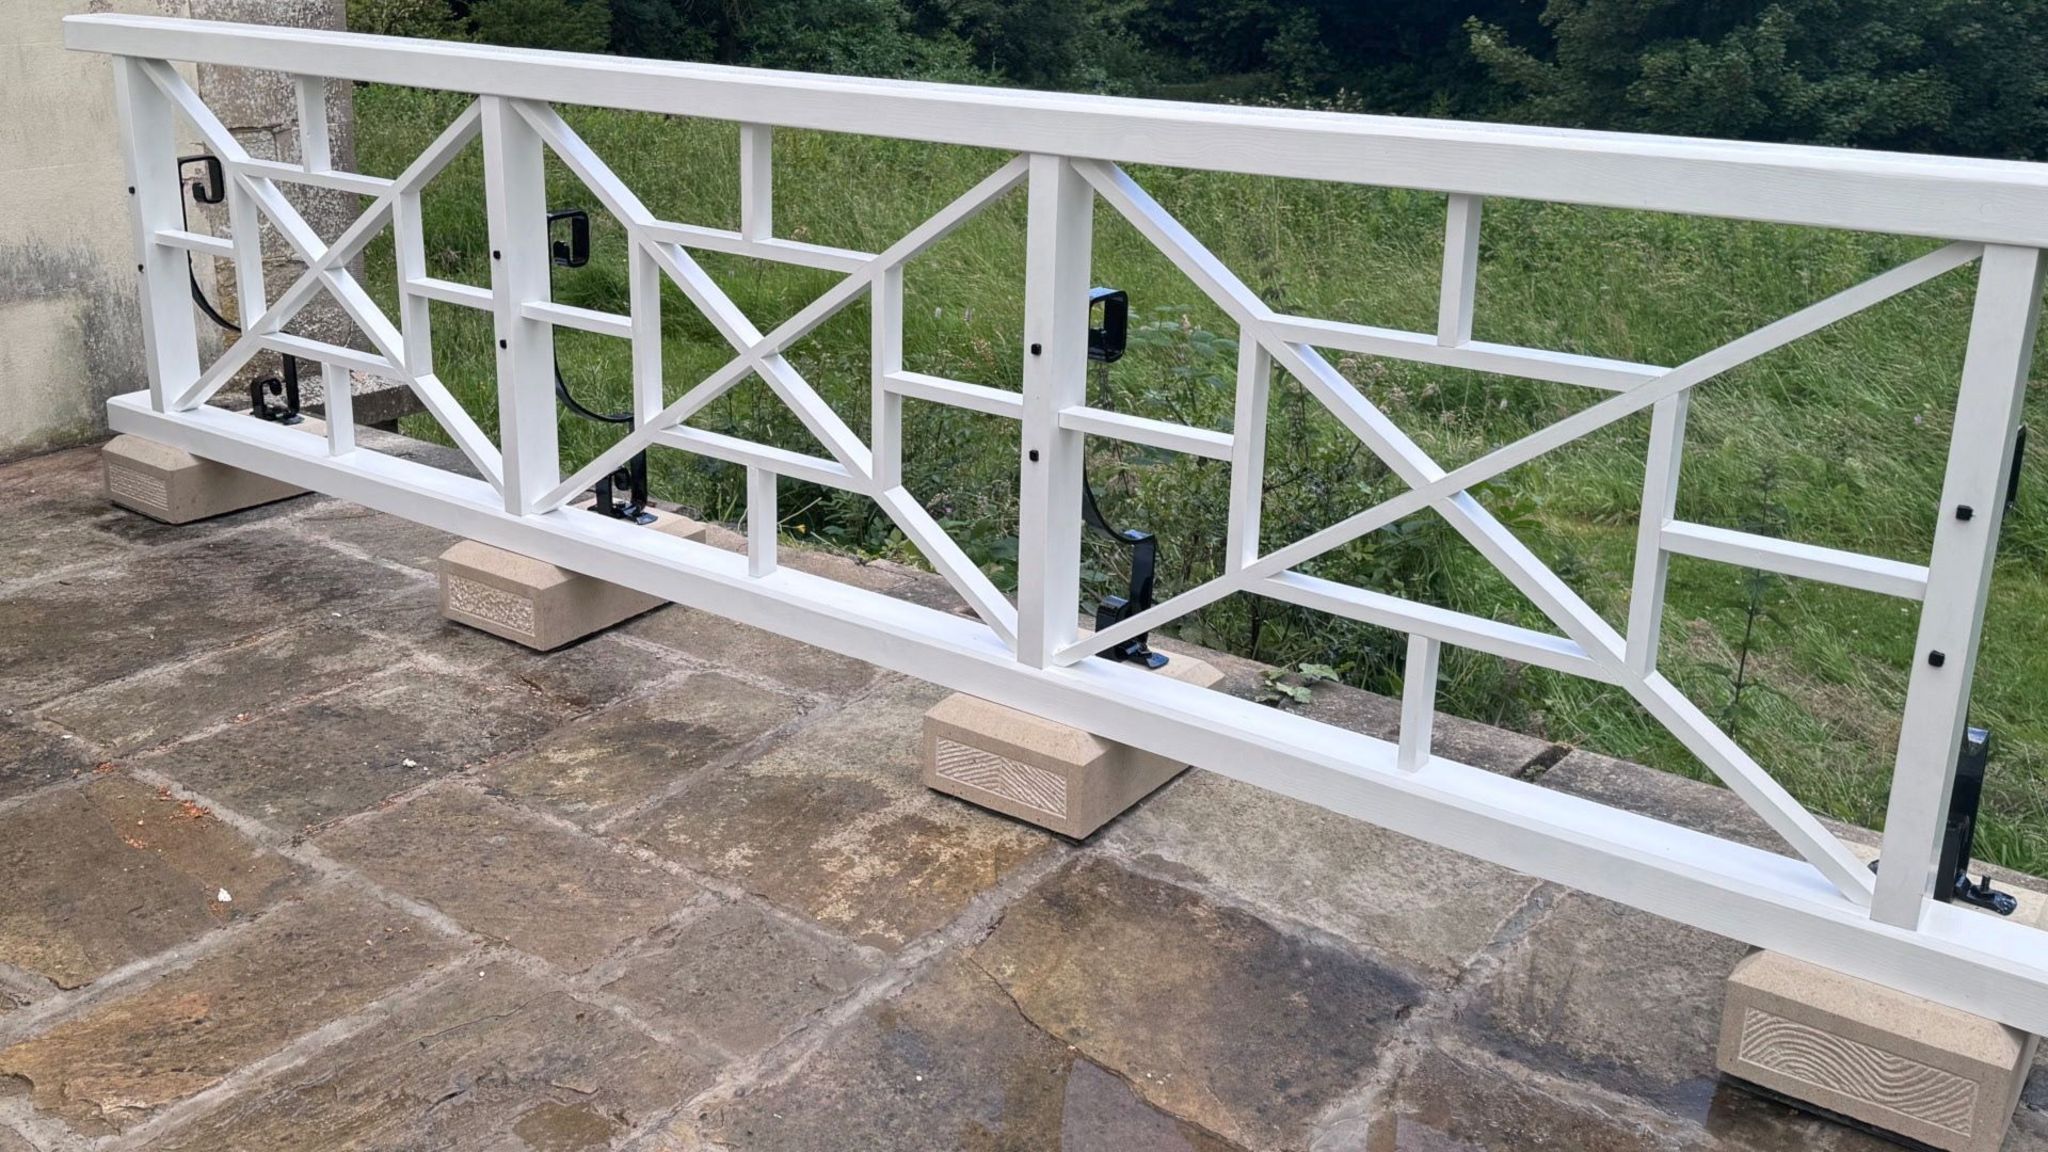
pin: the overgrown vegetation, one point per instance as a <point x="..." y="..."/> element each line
<point x="1854" y="422"/>
<point x="1960" y="76"/>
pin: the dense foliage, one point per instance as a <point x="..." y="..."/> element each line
<point x="1964" y="76"/>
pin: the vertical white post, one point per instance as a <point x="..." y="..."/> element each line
<point x="170" y="339"/>
<point x="643" y="294"/>
<point x="1461" y="271"/>
<point x="761" y="521"/>
<point x="515" y="195"/>
<point x="1995" y="368"/>
<point x="1660" y="504"/>
<point x="1418" y="702"/>
<point x="757" y="181"/>
<point x="1248" y="450"/>
<point x="885" y="301"/>
<point x="341" y="409"/>
<point x="415" y="316"/>
<point x="315" y="154"/>
<point x="245" y="230"/>
<point x="1057" y="248"/>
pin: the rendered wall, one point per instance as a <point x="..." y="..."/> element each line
<point x="70" y="332"/>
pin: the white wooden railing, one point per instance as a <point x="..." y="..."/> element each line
<point x="1823" y="905"/>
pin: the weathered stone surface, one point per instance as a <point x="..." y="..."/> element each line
<point x="509" y="875"/>
<point x="11" y="1141"/>
<point x="385" y="537"/>
<point x="299" y="968"/>
<point x="94" y="877"/>
<point x="833" y="823"/>
<point x="1693" y="804"/>
<point x="176" y="487"/>
<point x="245" y="680"/>
<point x="1426" y="907"/>
<point x="1212" y="1014"/>
<point x="346" y="752"/>
<point x="1480" y="745"/>
<point x="603" y="765"/>
<point x="739" y="978"/>
<point x="1556" y="1000"/>
<point x="120" y="619"/>
<point x="1455" y="1100"/>
<point x="31" y="758"/>
<point x="947" y="1066"/>
<point x="716" y="640"/>
<point x="487" y="1060"/>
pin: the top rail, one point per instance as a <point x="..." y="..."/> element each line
<point x="1994" y="201"/>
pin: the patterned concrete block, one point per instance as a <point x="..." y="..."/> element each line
<point x="1924" y="1071"/>
<point x="536" y="603"/>
<point x="176" y="487"/>
<point x="1048" y="774"/>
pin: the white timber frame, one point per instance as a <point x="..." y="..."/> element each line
<point x="1069" y="156"/>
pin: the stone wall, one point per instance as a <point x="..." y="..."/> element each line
<point x="70" y="330"/>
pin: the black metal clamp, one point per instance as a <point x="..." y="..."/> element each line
<point x="1107" y="340"/>
<point x="1959" y="837"/>
<point x="212" y="188"/>
<point x="628" y="480"/>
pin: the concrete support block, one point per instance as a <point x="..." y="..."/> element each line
<point x="1059" y="778"/>
<point x="176" y="487"/>
<point x="1874" y="1056"/>
<point x="536" y="603"/>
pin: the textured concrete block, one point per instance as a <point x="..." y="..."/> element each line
<point x="176" y="487"/>
<point x="536" y="603"/>
<point x="1048" y="774"/>
<point x="1896" y="1062"/>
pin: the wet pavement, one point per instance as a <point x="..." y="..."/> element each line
<point x="289" y="863"/>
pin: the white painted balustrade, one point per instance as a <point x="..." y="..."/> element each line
<point x="1819" y="903"/>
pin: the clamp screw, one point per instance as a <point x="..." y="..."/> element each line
<point x="501" y="343"/>
<point x="1937" y="658"/>
<point x="1037" y="348"/>
<point x="1034" y="455"/>
<point x="1965" y="512"/>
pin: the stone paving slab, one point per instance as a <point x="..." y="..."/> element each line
<point x="1209" y="1012"/>
<point x="488" y="1059"/>
<point x="511" y="876"/>
<point x="948" y="1065"/>
<point x="31" y="758"/>
<point x="603" y="766"/>
<point x="349" y="751"/>
<point x="1431" y="908"/>
<point x="244" y="680"/>
<point x="141" y="612"/>
<point x="295" y="970"/>
<point x="676" y="889"/>
<point x="739" y="978"/>
<point x="834" y="825"/>
<point x="94" y="877"/>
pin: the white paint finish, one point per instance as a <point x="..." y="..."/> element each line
<point x="885" y="346"/>
<point x="1995" y="367"/>
<point x="782" y="251"/>
<point x="1473" y="355"/>
<point x="197" y="242"/>
<point x="170" y="339"/>
<point x="732" y="450"/>
<point x="1461" y="270"/>
<point x="450" y="292"/>
<point x="584" y="319"/>
<point x="1145" y="430"/>
<point x="325" y="178"/>
<point x="1418" y="703"/>
<point x="516" y="205"/>
<point x="1248" y="452"/>
<point x="958" y="393"/>
<point x="1056" y="278"/>
<point x="762" y="522"/>
<point x="338" y="393"/>
<point x="1988" y="200"/>
<point x="319" y="351"/>
<point x="948" y="560"/>
<point x="643" y="295"/>
<point x="1791" y="558"/>
<point x="757" y="182"/>
<point x="316" y="154"/>
<point x="1958" y="957"/>
<point x="1660" y="504"/>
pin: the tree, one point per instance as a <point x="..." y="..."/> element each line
<point x="1920" y="75"/>
<point x="568" y="25"/>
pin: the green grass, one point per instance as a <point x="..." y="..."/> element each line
<point x="1839" y="439"/>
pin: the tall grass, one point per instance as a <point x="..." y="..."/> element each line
<point x="1839" y="439"/>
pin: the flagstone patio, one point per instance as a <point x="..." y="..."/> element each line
<point x="289" y="863"/>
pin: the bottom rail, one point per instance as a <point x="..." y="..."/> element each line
<point x="1958" y="957"/>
